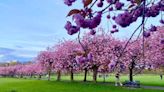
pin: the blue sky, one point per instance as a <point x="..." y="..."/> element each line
<point x="29" y="26"/>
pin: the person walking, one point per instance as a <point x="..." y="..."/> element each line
<point x="118" y="82"/>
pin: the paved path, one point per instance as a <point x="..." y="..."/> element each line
<point x="142" y="86"/>
<point x="153" y="87"/>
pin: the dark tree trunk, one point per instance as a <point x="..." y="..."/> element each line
<point x="104" y="76"/>
<point x="58" y="75"/>
<point x="130" y="74"/>
<point x="161" y="76"/>
<point x="21" y="76"/>
<point x="39" y="76"/>
<point x="95" y="68"/>
<point x="72" y="74"/>
<point x="30" y="75"/>
<point x="131" y="70"/>
<point x="49" y="75"/>
<point x="85" y="74"/>
<point x="11" y="75"/>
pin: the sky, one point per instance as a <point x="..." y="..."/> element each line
<point x="30" y="26"/>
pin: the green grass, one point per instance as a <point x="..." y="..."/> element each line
<point x="27" y="85"/>
<point x="33" y="85"/>
<point x="145" y="79"/>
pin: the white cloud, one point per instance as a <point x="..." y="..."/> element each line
<point x="1" y="56"/>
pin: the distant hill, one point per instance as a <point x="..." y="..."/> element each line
<point x="8" y="58"/>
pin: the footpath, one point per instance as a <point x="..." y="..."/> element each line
<point x="152" y="87"/>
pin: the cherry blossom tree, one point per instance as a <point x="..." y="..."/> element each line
<point x="156" y="48"/>
<point x="66" y="57"/>
<point x="46" y="59"/>
<point x="125" y="13"/>
<point x="100" y="48"/>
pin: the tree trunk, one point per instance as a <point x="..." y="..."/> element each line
<point x="30" y="75"/>
<point x="131" y="74"/>
<point x="104" y="76"/>
<point x="131" y="71"/>
<point x="71" y="74"/>
<point x="12" y="75"/>
<point x="95" y="68"/>
<point x="21" y="76"/>
<point x="58" y="75"/>
<point x="49" y="75"/>
<point x="39" y="76"/>
<point x="85" y="74"/>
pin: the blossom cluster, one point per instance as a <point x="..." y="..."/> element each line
<point x="125" y="13"/>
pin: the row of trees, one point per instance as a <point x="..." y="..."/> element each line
<point x="100" y="53"/>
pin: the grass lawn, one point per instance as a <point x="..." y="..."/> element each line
<point x="145" y="79"/>
<point x="27" y="85"/>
